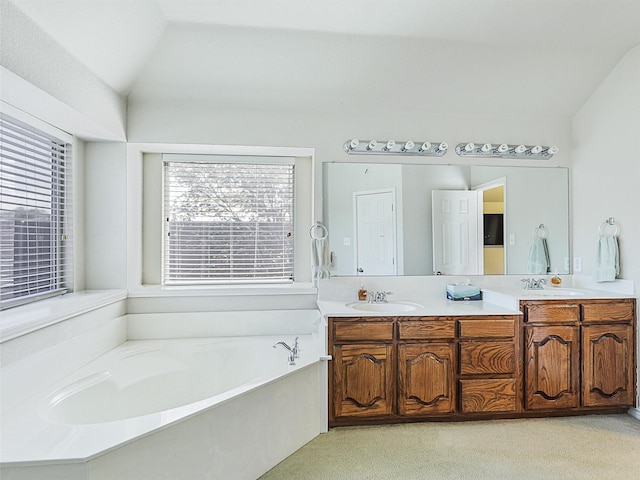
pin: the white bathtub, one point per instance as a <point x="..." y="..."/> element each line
<point x="217" y="407"/>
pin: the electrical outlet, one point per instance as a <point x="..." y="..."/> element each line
<point x="566" y="264"/>
<point x="346" y="241"/>
<point x="512" y="239"/>
<point x="577" y="265"/>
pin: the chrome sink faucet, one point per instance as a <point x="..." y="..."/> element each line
<point x="533" y="284"/>
<point x="378" y="297"/>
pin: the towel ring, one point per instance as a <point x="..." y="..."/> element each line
<point x="540" y="231"/>
<point x="609" y="222"/>
<point x="325" y="232"/>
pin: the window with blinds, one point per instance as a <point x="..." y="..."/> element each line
<point x="228" y="221"/>
<point x="35" y="208"/>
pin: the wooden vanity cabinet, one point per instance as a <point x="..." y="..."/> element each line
<point x="390" y="369"/>
<point x="579" y="354"/>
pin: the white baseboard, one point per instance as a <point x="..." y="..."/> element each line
<point x="634" y="412"/>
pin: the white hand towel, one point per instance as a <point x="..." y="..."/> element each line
<point x="538" y="256"/>
<point x="607" y="262"/>
<point x="320" y="258"/>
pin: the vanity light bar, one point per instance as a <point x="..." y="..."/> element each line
<point x="391" y="147"/>
<point x="504" y="150"/>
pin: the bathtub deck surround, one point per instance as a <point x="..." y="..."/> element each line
<point x="221" y="381"/>
<point x="517" y="353"/>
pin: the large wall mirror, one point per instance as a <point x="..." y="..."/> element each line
<point x="393" y="219"/>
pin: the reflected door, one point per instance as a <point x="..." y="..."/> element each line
<point x="456" y="232"/>
<point x="375" y="232"/>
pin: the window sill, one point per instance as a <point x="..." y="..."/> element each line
<point x="151" y="291"/>
<point x="28" y="318"/>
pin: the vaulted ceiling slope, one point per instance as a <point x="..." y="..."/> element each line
<point x="502" y="58"/>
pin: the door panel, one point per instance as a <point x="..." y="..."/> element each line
<point x="553" y="356"/>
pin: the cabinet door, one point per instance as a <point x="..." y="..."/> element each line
<point x="552" y="370"/>
<point x="607" y="377"/>
<point x="363" y="380"/>
<point x="425" y="378"/>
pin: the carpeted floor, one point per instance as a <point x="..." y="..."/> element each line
<point x="567" y="448"/>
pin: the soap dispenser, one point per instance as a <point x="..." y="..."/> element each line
<point x="362" y="293"/>
<point x="556" y="281"/>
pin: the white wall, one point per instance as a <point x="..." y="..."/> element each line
<point x="106" y="219"/>
<point x="75" y="100"/>
<point x="606" y="167"/>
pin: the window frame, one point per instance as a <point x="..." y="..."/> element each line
<point x="145" y="161"/>
<point x="63" y="281"/>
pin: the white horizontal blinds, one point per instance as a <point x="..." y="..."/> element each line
<point x="35" y="250"/>
<point x="228" y="221"/>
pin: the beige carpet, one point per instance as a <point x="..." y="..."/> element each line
<point x="568" y="448"/>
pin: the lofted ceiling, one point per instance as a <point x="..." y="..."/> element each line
<point x="489" y="58"/>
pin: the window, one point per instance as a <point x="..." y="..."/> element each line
<point x="228" y="220"/>
<point x="35" y="250"/>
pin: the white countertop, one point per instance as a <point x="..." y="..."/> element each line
<point x="496" y="301"/>
<point x="431" y="306"/>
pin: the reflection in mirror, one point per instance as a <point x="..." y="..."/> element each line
<point x="381" y="221"/>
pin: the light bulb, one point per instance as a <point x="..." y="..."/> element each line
<point x="425" y="146"/>
<point x="503" y="148"/>
<point x="372" y="144"/>
<point x="354" y="143"/>
<point x="469" y="147"/>
<point x="553" y="150"/>
<point x="537" y="149"/>
<point x="390" y="144"/>
<point x="408" y="145"/>
<point x="521" y="149"/>
<point x="443" y="146"/>
<point x="487" y="147"/>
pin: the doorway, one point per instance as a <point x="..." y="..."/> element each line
<point x="375" y="232"/>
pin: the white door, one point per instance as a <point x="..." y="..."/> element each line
<point x="456" y="232"/>
<point x="375" y="232"/>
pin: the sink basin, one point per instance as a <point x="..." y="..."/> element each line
<point x="557" y="292"/>
<point x="391" y="307"/>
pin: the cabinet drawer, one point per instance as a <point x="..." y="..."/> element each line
<point x="421" y="330"/>
<point x="488" y="395"/>
<point x="498" y="328"/>
<point x="553" y="313"/>
<point x="487" y="357"/>
<point x="362" y="330"/>
<point x="614" y="311"/>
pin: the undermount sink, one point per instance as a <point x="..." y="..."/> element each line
<point x="557" y="292"/>
<point x="390" y="307"/>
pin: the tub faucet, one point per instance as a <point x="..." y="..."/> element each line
<point x="292" y="353"/>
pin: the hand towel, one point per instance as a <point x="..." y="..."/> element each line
<point x="320" y="258"/>
<point x="607" y="262"/>
<point x="539" y="262"/>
